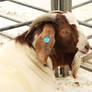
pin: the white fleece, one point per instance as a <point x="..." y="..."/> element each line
<point x="21" y="71"/>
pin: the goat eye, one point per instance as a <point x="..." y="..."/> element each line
<point x="64" y="32"/>
<point x="46" y="39"/>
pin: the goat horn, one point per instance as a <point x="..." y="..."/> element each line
<point x="43" y="18"/>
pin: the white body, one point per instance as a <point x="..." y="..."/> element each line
<point x="21" y="71"/>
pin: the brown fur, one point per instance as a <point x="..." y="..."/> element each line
<point x="29" y="39"/>
<point x="66" y="41"/>
<point x="43" y="49"/>
<point x="61" y="49"/>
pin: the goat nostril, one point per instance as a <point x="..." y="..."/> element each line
<point x="45" y="65"/>
<point x="87" y="46"/>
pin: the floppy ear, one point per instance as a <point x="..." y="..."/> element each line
<point x="45" y="43"/>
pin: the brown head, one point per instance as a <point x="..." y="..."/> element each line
<point x="67" y="35"/>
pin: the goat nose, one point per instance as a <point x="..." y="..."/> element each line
<point x="87" y="46"/>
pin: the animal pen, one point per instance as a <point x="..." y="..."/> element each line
<point x="63" y="5"/>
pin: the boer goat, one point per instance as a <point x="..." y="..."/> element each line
<point x="27" y="62"/>
<point x="56" y="35"/>
<point x="82" y="44"/>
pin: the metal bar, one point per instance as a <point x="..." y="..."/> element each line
<point x="59" y="5"/>
<point x="29" y="22"/>
<point x="30" y="6"/>
<point x="6" y="35"/>
<point x="85" y="24"/>
<point x="10" y="19"/>
<point x="54" y="5"/>
<point x="66" y="5"/>
<point x="63" y="5"/>
<point x="88" y="20"/>
<point x="15" y="26"/>
<point x="86" y="68"/>
<point x="79" y="5"/>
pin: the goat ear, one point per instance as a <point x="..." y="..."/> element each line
<point x="45" y="43"/>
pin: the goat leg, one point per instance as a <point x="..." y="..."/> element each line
<point x="76" y="64"/>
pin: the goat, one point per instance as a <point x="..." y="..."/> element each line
<point x="21" y="69"/>
<point x="82" y="45"/>
<point x="64" y="39"/>
<point x="65" y="31"/>
<point x="45" y="43"/>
